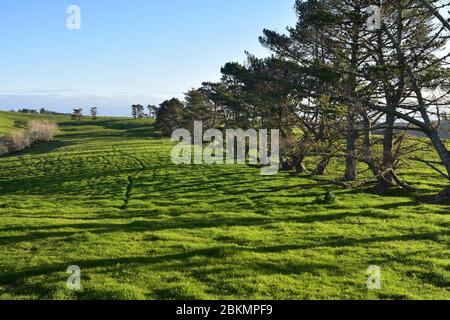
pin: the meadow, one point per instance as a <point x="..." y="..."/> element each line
<point x="105" y="196"/>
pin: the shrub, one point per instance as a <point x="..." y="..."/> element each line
<point x="41" y="131"/>
<point x="37" y="131"/>
<point x="20" y="141"/>
<point x="328" y="198"/>
<point x="3" y="148"/>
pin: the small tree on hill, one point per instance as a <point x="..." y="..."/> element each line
<point x="152" y="111"/>
<point x="77" y="114"/>
<point x="94" y="113"/>
<point x="137" y="111"/>
<point x="140" y="111"/>
<point x="134" y="111"/>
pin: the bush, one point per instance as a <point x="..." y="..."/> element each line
<point x="3" y="148"/>
<point x="20" y="141"/>
<point x="328" y="198"/>
<point x="39" y="131"/>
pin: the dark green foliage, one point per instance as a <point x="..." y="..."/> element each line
<point x="328" y="198"/>
<point x="199" y="107"/>
<point x="169" y="116"/>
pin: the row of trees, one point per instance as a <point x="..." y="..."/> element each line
<point x="332" y="82"/>
<point x="34" y="111"/>
<point x="78" y="113"/>
<point x="138" y="111"/>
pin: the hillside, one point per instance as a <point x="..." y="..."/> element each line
<point x="444" y="131"/>
<point x="10" y="121"/>
<point x="105" y="196"/>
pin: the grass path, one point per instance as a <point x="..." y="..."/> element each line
<point x="106" y="197"/>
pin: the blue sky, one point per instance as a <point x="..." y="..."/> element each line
<point x="127" y="51"/>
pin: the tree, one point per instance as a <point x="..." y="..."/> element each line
<point x="152" y="111"/>
<point x="137" y="111"/>
<point x="140" y="111"/>
<point x="326" y="44"/>
<point x="199" y="107"/>
<point x="425" y="73"/>
<point x="331" y="38"/>
<point x="332" y="82"/>
<point x="77" y="114"/>
<point x="430" y="5"/>
<point x="169" y="116"/>
<point x="94" y="113"/>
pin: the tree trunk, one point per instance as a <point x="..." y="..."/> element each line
<point x="367" y="147"/>
<point x="352" y="136"/>
<point x="322" y="166"/>
<point x="444" y="196"/>
<point x="441" y="149"/>
<point x="286" y="165"/>
<point x="387" y="181"/>
<point x="298" y="164"/>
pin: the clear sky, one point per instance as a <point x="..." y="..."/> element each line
<point x="127" y="51"/>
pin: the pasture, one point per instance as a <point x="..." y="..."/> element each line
<point x="106" y="197"/>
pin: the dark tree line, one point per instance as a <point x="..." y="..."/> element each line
<point x="332" y="82"/>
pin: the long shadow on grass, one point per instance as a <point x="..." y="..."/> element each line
<point x="41" y="148"/>
<point x="218" y="253"/>
<point x="51" y="185"/>
<point x="346" y="242"/>
<point x="89" y="264"/>
<point x="434" y="275"/>
<point x="216" y="279"/>
<point x="38" y="233"/>
<point x="137" y="226"/>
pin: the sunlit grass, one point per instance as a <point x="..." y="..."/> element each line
<point x="106" y="197"/>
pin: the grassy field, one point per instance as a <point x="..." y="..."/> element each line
<point x="106" y="197"/>
<point x="10" y="121"/>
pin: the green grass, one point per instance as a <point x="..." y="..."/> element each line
<point x="106" y="197"/>
<point x="10" y="121"/>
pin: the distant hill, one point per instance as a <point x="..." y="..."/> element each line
<point x="444" y="131"/>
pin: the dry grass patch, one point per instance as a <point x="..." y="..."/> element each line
<point x="36" y="131"/>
